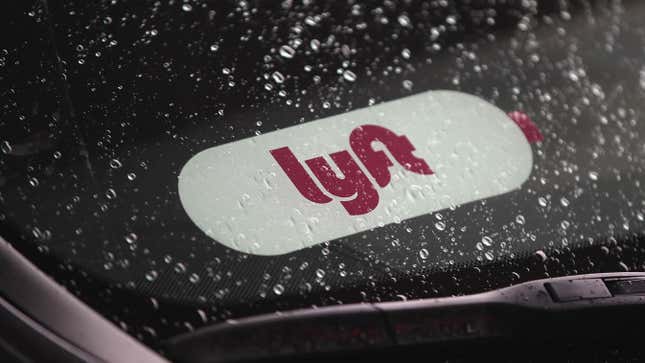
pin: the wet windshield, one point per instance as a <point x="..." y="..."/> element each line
<point x="105" y="106"/>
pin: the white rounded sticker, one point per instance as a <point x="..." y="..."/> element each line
<point x="330" y="178"/>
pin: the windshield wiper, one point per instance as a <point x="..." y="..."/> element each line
<point x="573" y="307"/>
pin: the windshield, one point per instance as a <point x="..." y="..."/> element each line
<point x="105" y="106"/>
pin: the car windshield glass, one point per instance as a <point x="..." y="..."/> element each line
<point x="129" y="134"/>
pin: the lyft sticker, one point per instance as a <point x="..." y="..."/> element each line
<point x="326" y="179"/>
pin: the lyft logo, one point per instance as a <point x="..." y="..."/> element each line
<point x="353" y="182"/>
<point x="299" y="186"/>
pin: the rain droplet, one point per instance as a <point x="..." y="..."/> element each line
<point x="487" y="241"/>
<point x="187" y="7"/>
<point x="132" y="176"/>
<point x="151" y="275"/>
<point x="277" y="77"/>
<point x="6" y="148"/>
<point x="593" y="175"/>
<point x="278" y="289"/>
<point x="541" y="255"/>
<point x="520" y="219"/>
<point x="214" y="47"/>
<point x="423" y="253"/>
<point x="407" y="84"/>
<point x="130" y="238"/>
<point x="115" y="164"/>
<point x="440" y="225"/>
<point x="404" y="21"/>
<point x="202" y="315"/>
<point x="320" y="273"/>
<point x="194" y="278"/>
<point x="110" y="193"/>
<point x="542" y="202"/>
<point x="33" y="182"/>
<point x="349" y="75"/>
<point x="180" y="268"/>
<point x="489" y="255"/>
<point x="287" y="52"/>
<point x="564" y="202"/>
<point x="314" y="44"/>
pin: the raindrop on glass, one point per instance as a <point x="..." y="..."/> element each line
<point x="277" y="77"/>
<point x="130" y="238"/>
<point x="6" y="148"/>
<point x="110" y="193"/>
<point x="115" y="164"/>
<point x="151" y="275"/>
<point x="278" y="289"/>
<point x="287" y="52"/>
<point x="194" y="278"/>
<point x="349" y="75"/>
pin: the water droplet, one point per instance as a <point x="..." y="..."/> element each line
<point x="564" y="202"/>
<point x="180" y="268"/>
<point x="214" y="47"/>
<point x="202" y="315"/>
<point x="542" y="202"/>
<point x="132" y="176"/>
<point x="287" y="52"/>
<point x="115" y="164"/>
<point x="130" y="238"/>
<point x="33" y="182"/>
<point x="277" y="77"/>
<point x="187" y="7"/>
<point x="573" y="76"/>
<point x="57" y="155"/>
<point x="278" y="289"/>
<point x="423" y="253"/>
<point x="405" y="53"/>
<point x="151" y="275"/>
<point x="541" y="255"/>
<point x="6" y="148"/>
<point x="593" y="175"/>
<point x="404" y="21"/>
<point x="349" y="75"/>
<point x="434" y="34"/>
<point x="315" y="45"/>
<point x="520" y="219"/>
<point x="110" y="193"/>
<point x="487" y="241"/>
<point x="440" y="225"/>
<point x="320" y="273"/>
<point x="407" y="84"/>
<point x="194" y="278"/>
<point x="489" y="255"/>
